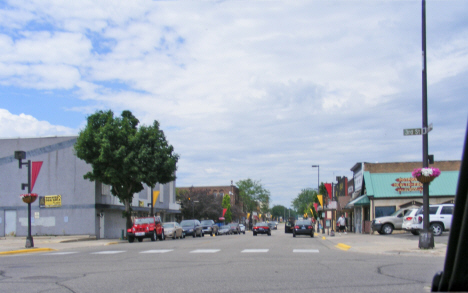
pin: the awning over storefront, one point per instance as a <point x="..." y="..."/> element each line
<point x="360" y="201"/>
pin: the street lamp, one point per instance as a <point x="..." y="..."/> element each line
<point x="21" y="155"/>
<point x="318" y="190"/>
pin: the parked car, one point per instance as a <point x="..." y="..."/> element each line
<point x="235" y="229"/>
<point x="225" y="230"/>
<point x="261" y="228"/>
<point x="242" y="228"/>
<point x="209" y="227"/>
<point x="173" y="230"/>
<point x="440" y="219"/>
<point x="273" y="225"/>
<point x="303" y="227"/>
<point x="146" y="227"/>
<point x="386" y="225"/>
<point x="192" y="228"/>
<point x="289" y="225"/>
<point x="408" y="221"/>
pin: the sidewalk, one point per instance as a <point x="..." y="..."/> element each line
<point x="15" y="245"/>
<point x="382" y="244"/>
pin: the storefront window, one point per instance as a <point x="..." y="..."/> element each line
<point x="384" y="211"/>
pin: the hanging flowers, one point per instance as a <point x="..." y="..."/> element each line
<point x="425" y="175"/>
<point x="29" y="197"/>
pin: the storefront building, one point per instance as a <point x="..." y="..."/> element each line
<point x="387" y="187"/>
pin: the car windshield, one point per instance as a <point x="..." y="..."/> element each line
<point x="186" y="223"/>
<point x="206" y="222"/>
<point x="263" y="224"/>
<point x="140" y="221"/>
<point x="225" y="227"/>
<point x="168" y="225"/>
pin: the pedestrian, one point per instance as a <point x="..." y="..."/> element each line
<point x="342" y="223"/>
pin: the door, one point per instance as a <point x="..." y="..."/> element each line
<point x="10" y="223"/>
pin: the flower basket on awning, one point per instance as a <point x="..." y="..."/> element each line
<point x="29" y="197"/>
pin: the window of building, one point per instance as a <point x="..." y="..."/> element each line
<point x="384" y="211"/>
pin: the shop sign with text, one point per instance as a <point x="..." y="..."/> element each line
<point x="50" y="201"/>
<point x="409" y="184"/>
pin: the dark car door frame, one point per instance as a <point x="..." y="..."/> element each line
<point x="454" y="277"/>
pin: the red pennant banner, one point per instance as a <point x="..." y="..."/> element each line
<point x="224" y="211"/>
<point x="36" y="167"/>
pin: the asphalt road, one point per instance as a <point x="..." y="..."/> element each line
<point x="237" y="263"/>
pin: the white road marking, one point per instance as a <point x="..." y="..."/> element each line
<point x="157" y="251"/>
<point x="205" y="251"/>
<point x="305" y="250"/>
<point x="254" y="250"/>
<point x="109" y="252"/>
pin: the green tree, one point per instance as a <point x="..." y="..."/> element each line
<point x="199" y="204"/>
<point x="278" y="211"/>
<point x="303" y="200"/>
<point x="226" y="204"/>
<point x="254" y="195"/>
<point x="124" y="156"/>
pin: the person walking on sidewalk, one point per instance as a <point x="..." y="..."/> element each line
<point x="342" y="224"/>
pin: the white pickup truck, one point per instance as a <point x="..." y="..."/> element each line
<point x="440" y="219"/>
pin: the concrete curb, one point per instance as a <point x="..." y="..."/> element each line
<point x="31" y="250"/>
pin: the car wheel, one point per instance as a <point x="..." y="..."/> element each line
<point x="203" y="234"/>
<point x="437" y="229"/>
<point x="154" y="236"/>
<point x="254" y="234"/>
<point x="140" y="239"/>
<point x="162" y="236"/>
<point x="194" y="234"/>
<point x="269" y="233"/>
<point x="244" y="232"/>
<point x="312" y="234"/>
<point x="387" y="229"/>
<point x="131" y="239"/>
<point x="294" y="234"/>
<point x="174" y="236"/>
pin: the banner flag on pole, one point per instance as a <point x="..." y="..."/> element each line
<point x="155" y="197"/>
<point x="36" y="167"/>
<point x="320" y="198"/>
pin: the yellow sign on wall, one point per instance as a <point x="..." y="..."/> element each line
<point x="50" y="201"/>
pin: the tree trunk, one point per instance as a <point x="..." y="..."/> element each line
<point x="128" y="214"/>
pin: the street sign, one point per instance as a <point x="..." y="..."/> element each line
<point x="412" y="131"/>
<point x="417" y="131"/>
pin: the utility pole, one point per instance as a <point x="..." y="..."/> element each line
<point x="426" y="239"/>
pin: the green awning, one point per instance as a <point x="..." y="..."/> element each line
<point x="359" y="201"/>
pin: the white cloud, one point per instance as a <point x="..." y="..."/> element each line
<point x="250" y="88"/>
<point x="27" y="126"/>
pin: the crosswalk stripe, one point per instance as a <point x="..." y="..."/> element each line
<point x="205" y="251"/>
<point x="109" y="252"/>
<point x="157" y="251"/>
<point x="254" y="250"/>
<point x="305" y="250"/>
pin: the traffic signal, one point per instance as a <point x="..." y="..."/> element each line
<point x="189" y="198"/>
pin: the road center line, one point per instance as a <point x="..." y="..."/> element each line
<point x="109" y="252"/>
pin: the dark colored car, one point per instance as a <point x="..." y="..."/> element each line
<point x="235" y="228"/>
<point x="209" y="227"/>
<point x="225" y="230"/>
<point x="192" y="227"/>
<point x="303" y="227"/>
<point x="289" y="226"/>
<point x="273" y="225"/>
<point x="261" y="228"/>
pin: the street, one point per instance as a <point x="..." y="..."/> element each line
<point x="236" y="263"/>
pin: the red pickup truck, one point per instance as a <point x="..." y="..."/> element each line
<point x="146" y="227"/>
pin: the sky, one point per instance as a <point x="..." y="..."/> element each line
<point x="243" y="89"/>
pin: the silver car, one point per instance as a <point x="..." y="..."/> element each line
<point x="173" y="230"/>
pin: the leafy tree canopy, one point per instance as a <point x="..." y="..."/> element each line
<point x="227" y="205"/>
<point x="199" y="204"/>
<point x="278" y="211"/>
<point x="125" y="156"/>
<point x="253" y="194"/>
<point x="303" y="200"/>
